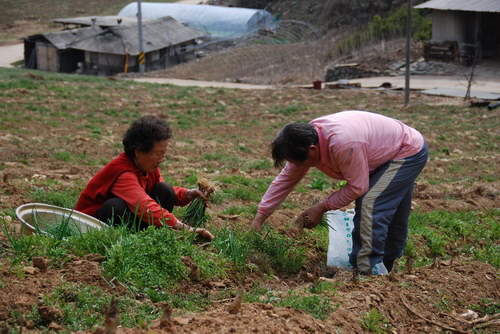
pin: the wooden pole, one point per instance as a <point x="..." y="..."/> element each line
<point x="408" y="49"/>
<point x="141" y="43"/>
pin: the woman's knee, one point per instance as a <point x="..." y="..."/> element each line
<point x="164" y="194"/>
<point x="112" y="209"/>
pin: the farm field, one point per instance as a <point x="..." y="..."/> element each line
<point x="57" y="131"/>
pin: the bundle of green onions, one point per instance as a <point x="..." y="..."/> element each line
<point x="195" y="212"/>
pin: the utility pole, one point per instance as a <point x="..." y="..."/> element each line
<point x="408" y="49"/>
<point x="141" y="42"/>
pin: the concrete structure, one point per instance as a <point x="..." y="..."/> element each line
<point x="108" y="49"/>
<point x="462" y="29"/>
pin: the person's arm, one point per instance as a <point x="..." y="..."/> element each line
<point x="279" y="189"/>
<point x="352" y="162"/>
<point x="128" y="188"/>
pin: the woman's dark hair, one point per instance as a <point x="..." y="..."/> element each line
<point x="144" y="133"/>
<point x="293" y="142"/>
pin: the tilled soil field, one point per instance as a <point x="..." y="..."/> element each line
<point x="56" y="132"/>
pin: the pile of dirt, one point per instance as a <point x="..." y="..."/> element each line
<point x="251" y="318"/>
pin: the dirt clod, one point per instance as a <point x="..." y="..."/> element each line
<point x="40" y="263"/>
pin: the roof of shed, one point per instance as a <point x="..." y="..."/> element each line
<point x="62" y="39"/>
<point x="463" y="5"/>
<point x="103" y="21"/>
<point x="124" y="39"/>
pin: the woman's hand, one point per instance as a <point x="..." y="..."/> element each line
<point x="192" y="194"/>
<point x="204" y="233"/>
<point x="200" y="231"/>
<point x="258" y="221"/>
<point x="314" y="215"/>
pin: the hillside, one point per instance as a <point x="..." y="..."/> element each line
<point x="327" y="14"/>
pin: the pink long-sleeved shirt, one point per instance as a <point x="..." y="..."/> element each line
<point x="352" y="145"/>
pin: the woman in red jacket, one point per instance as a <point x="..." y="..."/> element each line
<point x="132" y="183"/>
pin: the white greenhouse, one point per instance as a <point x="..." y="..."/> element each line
<point x="215" y="20"/>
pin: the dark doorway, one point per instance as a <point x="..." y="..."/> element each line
<point x="69" y="59"/>
<point x="489" y="35"/>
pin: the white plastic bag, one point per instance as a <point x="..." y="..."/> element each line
<point x="340" y="229"/>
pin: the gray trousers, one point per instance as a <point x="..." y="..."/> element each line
<point x="381" y="214"/>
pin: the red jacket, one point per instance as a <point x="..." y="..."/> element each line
<point x="134" y="190"/>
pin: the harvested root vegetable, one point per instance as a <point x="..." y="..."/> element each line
<point x="195" y="212"/>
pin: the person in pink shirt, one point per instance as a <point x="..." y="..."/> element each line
<point x="379" y="157"/>
<point x="130" y="187"/>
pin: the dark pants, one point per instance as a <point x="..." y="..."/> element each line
<point x="381" y="218"/>
<point x="115" y="211"/>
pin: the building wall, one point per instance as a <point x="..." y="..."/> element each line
<point x="103" y="63"/>
<point x="454" y="26"/>
<point x="46" y="56"/>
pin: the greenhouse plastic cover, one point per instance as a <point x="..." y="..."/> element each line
<point x="215" y="20"/>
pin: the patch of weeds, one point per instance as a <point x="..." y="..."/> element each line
<point x="246" y="189"/>
<point x="318" y="184"/>
<point x="64" y="198"/>
<point x="489" y="254"/>
<point x="322" y="288"/>
<point x="284" y="253"/>
<point x="191" y="180"/>
<point x="288" y="110"/>
<point x="319" y="237"/>
<point x="271" y="250"/>
<point x="317" y="306"/>
<point x="83" y="307"/>
<point x="375" y="322"/>
<point x="62" y="155"/>
<point x="192" y="302"/>
<point x="436" y="244"/>
<point x="340" y="184"/>
<point x="260" y="164"/>
<point x="487" y="306"/>
<point x="216" y="157"/>
<point x="244" y="149"/>
<point x="247" y="210"/>
<point x="31" y="107"/>
<point x="455" y="168"/>
<point x="188" y="119"/>
<point x="319" y="181"/>
<point x="18" y="246"/>
<point x="287" y="204"/>
<point x="443" y="304"/>
<point x="97" y="241"/>
<point x="148" y="259"/>
<point x="487" y="178"/>
<point x="440" y="233"/>
<point x="233" y="244"/>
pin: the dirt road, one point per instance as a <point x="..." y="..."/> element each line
<point x="481" y="88"/>
<point x="10" y="54"/>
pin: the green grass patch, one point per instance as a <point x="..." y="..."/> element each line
<point x="442" y="234"/>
